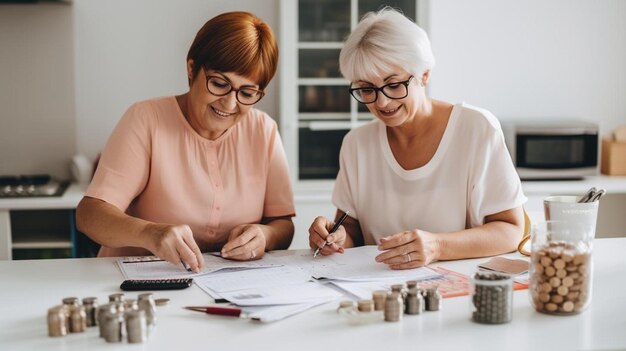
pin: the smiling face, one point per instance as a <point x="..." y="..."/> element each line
<point x="395" y="112"/>
<point x="211" y="115"/>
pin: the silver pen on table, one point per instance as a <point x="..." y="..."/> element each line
<point x="334" y="229"/>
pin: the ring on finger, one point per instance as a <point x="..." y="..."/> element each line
<point x="253" y="254"/>
<point x="408" y="258"/>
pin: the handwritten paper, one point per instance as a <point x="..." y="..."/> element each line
<point x="359" y="264"/>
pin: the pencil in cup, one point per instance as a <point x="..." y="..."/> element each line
<point x="332" y="230"/>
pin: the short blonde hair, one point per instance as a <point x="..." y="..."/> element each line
<point x="383" y="41"/>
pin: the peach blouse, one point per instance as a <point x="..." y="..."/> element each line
<point x="156" y="167"/>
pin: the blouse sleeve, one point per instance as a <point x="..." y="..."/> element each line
<point x="278" y="194"/>
<point x="124" y="166"/>
<point x="494" y="184"/>
<point x="346" y="184"/>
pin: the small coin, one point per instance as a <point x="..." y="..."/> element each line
<point x="161" y="302"/>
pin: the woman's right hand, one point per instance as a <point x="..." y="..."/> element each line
<point x="175" y="244"/>
<point x="318" y="235"/>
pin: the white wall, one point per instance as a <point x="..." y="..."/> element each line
<point x="128" y="51"/>
<point x="37" y="125"/>
<point x="68" y="72"/>
<point x="532" y="57"/>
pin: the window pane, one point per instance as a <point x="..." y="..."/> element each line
<point x="318" y="153"/>
<point x="406" y="6"/>
<point x="319" y="63"/>
<point x="324" y="98"/>
<point x="323" y="20"/>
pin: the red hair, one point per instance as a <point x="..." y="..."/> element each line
<point x="236" y="42"/>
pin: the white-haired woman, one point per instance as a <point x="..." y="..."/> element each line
<point x="426" y="180"/>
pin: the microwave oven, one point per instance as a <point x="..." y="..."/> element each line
<point x="552" y="148"/>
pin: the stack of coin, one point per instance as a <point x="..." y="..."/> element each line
<point x="393" y="307"/>
<point x="433" y="299"/>
<point x="560" y="278"/>
<point x="78" y="319"/>
<point x="379" y="297"/>
<point x="492" y="298"/>
<point x="57" y="321"/>
<point x="91" y="309"/>
<point x="414" y="302"/>
<point x="366" y="305"/>
<point x="112" y="325"/>
<point x="102" y="310"/>
<point x="346" y="305"/>
<point x="136" y="326"/>
<point x="146" y="303"/>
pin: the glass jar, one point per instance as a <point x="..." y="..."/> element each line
<point x="492" y="298"/>
<point x="561" y="267"/>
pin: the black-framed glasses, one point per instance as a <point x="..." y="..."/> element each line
<point x="219" y="86"/>
<point x="395" y="90"/>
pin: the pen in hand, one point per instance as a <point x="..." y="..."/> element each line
<point x="185" y="265"/>
<point x="334" y="229"/>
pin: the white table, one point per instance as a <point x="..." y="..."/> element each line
<point x="29" y="288"/>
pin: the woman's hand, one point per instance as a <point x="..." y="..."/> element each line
<point x="318" y="236"/>
<point x="409" y="249"/>
<point x="175" y="244"/>
<point x="245" y="242"/>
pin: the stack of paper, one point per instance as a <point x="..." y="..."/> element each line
<point x="283" y="283"/>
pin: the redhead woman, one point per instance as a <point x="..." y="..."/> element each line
<point x="201" y="171"/>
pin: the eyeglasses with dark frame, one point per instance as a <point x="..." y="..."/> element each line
<point x="219" y="86"/>
<point x="395" y="90"/>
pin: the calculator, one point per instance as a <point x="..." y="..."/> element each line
<point x="156" y="284"/>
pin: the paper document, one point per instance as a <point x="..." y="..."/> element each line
<point x="220" y="282"/>
<point x="268" y="314"/>
<point x="358" y="264"/>
<point x="150" y="267"/>
<point x="282" y="295"/>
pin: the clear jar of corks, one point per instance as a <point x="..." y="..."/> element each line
<point x="561" y="268"/>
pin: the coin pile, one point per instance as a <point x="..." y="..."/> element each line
<point x="433" y="299"/>
<point x="394" y="307"/>
<point x="403" y="299"/>
<point x="119" y="317"/>
<point x="560" y="278"/>
<point x="492" y="298"/>
<point x="414" y="302"/>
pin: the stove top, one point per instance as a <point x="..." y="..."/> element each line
<point x="37" y="185"/>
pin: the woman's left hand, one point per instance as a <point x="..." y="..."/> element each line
<point x="245" y="242"/>
<point x="409" y="249"/>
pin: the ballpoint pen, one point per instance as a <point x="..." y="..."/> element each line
<point x="334" y="229"/>
<point x="185" y="266"/>
<point x="219" y="310"/>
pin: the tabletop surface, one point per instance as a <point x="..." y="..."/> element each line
<point x="29" y="288"/>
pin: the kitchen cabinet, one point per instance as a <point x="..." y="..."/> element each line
<point x="42" y="227"/>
